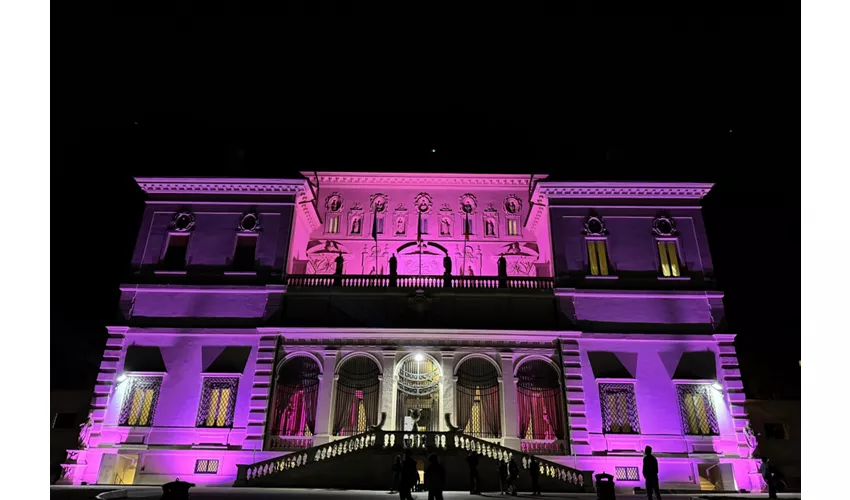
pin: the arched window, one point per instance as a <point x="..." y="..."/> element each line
<point x="477" y="399"/>
<point x="296" y="394"/>
<point x="357" y="393"/>
<point x="541" y="408"/>
<point x="418" y="394"/>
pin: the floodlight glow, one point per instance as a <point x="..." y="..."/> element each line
<point x="419" y="357"/>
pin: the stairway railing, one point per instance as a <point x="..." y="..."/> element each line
<point x="399" y="441"/>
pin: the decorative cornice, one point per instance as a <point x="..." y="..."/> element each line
<point x="623" y="190"/>
<point x="200" y="185"/>
<point x="423" y="179"/>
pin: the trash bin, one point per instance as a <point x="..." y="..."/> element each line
<point x="605" y="487"/>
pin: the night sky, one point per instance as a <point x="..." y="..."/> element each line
<point x="720" y="115"/>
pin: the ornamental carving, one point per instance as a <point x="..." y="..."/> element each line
<point x="249" y="223"/>
<point x="423" y="203"/>
<point x="664" y="226"/>
<point x="513" y="205"/>
<point x="468" y="203"/>
<point x="378" y="202"/>
<point x="183" y="221"/>
<point x="594" y="226"/>
<point x="333" y="203"/>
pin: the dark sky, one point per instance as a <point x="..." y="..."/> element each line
<point x="716" y="111"/>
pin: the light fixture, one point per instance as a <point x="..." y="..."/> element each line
<point x="122" y="378"/>
<point x="418" y="357"/>
<point x="717" y="386"/>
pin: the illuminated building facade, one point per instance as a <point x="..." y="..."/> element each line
<point x="274" y="324"/>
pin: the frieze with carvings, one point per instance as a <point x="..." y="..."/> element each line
<point x="470" y="263"/>
<point x="521" y="258"/>
<point x="375" y="256"/>
<point x="322" y="255"/>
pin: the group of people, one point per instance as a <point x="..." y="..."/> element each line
<point x="406" y="476"/>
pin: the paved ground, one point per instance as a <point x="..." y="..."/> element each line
<point x="81" y="493"/>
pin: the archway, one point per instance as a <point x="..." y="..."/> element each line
<point x="295" y="397"/>
<point x="358" y="390"/>
<point x="418" y="392"/>
<point x="477" y="398"/>
<point x="539" y="402"/>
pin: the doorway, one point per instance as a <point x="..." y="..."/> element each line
<point x="118" y="468"/>
<point x="418" y="394"/>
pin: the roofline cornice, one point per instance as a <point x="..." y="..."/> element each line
<point x="423" y="179"/>
<point x="682" y="190"/>
<point x="201" y="185"/>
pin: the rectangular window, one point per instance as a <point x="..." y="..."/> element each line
<point x="64" y="421"/>
<point x="468" y="226"/>
<point x="245" y="255"/>
<point x="597" y="255"/>
<point x="513" y="227"/>
<point x="175" y="252"/>
<point x="218" y="400"/>
<point x="619" y="409"/>
<point x="333" y="224"/>
<point x="668" y="255"/>
<point x="205" y="466"/>
<point x="380" y="224"/>
<point x="627" y="473"/>
<point x="140" y="401"/>
<point x="697" y="410"/>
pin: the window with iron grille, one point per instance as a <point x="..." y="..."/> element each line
<point x="205" y="466"/>
<point x="597" y="256"/>
<point x="627" y="473"/>
<point x="218" y="400"/>
<point x="619" y="409"/>
<point x="140" y="401"/>
<point x="668" y="257"/>
<point x="697" y="410"/>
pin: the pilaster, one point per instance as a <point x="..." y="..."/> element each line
<point x="577" y="434"/>
<point x="447" y="394"/>
<point x="730" y="376"/>
<point x="324" y="405"/>
<point x="261" y="391"/>
<point x="387" y="388"/>
<point x="508" y="383"/>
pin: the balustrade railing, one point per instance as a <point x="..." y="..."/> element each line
<point x="289" y="443"/>
<point x="543" y="446"/>
<point x="398" y="441"/>
<point x="404" y="281"/>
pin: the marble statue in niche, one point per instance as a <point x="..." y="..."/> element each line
<point x="445" y="226"/>
<point x="355" y="226"/>
<point x="399" y="225"/>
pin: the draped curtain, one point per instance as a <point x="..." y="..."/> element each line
<point x="478" y="383"/>
<point x="358" y="381"/>
<point x="296" y="395"/>
<point x="540" y="402"/>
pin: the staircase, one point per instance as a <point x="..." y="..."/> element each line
<point x="364" y="461"/>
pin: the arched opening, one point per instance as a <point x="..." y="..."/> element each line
<point x="356" y="400"/>
<point x="296" y="394"/>
<point x="540" y="406"/>
<point x="418" y="393"/>
<point x="477" y="400"/>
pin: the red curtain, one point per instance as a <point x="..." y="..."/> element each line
<point x="540" y="401"/>
<point x="295" y="398"/>
<point x="478" y="382"/>
<point x="358" y="380"/>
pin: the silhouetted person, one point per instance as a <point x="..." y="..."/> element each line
<point x="503" y="477"/>
<point x="502" y="264"/>
<point x="472" y="460"/>
<point x="409" y="476"/>
<point x="396" y="474"/>
<point x="513" y="476"/>
<point x="447" y="271"/>
<point x="650" y="474"/>
<point x="393" y="271"/>
<point x="534" y="472"/>
<point x="176" y="490"/>
<point x="339" y="261"/>
<point x="435" y="478"/>
<point x="771" y="475"/>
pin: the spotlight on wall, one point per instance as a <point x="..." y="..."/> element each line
<point x="122" y="378"/>
<point x="418" y="357"/>
<point x="717" y="386"/>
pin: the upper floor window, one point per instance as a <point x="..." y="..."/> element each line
<point x="696" y="409"/>
<point x="619" y="409"/>
<point x="513" y="226"/>
<point x="174" y="258"/>
<point x="218" y="400"/>
<point x="668" y="257"/>
<point x="140" y="401"/>
<point x="245" y="254"/>
<point x="775" y="430"/>
<point x="332" y="224"/>
<point x="597" y="255"/>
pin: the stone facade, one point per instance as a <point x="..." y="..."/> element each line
<point x="606" y="287"/>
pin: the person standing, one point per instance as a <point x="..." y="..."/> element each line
<point x="772" y="477"/>
<point x="534" y="472"/>
<point x="650" y="474"/>
<point x="513" y="476"/>
<point x="396" y="474"/>
<point x="472" y="460"/>
<point x="503" y="477"/>
<point x="435" y="478"/>
<point x="409" y="475"/>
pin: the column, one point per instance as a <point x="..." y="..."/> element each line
<point x="387" y="389"/>
<point x="509" y="403"/>
<point x="447" y="390"/>
<point x="324" y="405"/>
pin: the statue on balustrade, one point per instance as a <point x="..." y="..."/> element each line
<point x="447" y="271"/>
<point x="393" y="271"/>
<point x="503" y="272"/>
<point x="339" y="261"/>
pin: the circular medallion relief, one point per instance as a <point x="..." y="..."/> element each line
<point x="183" y="221"/>
<point x="664" y="226"/>
<point x="468" y="203"/>
<point x="249" y="222"/>
<point x="594" y="225"/>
